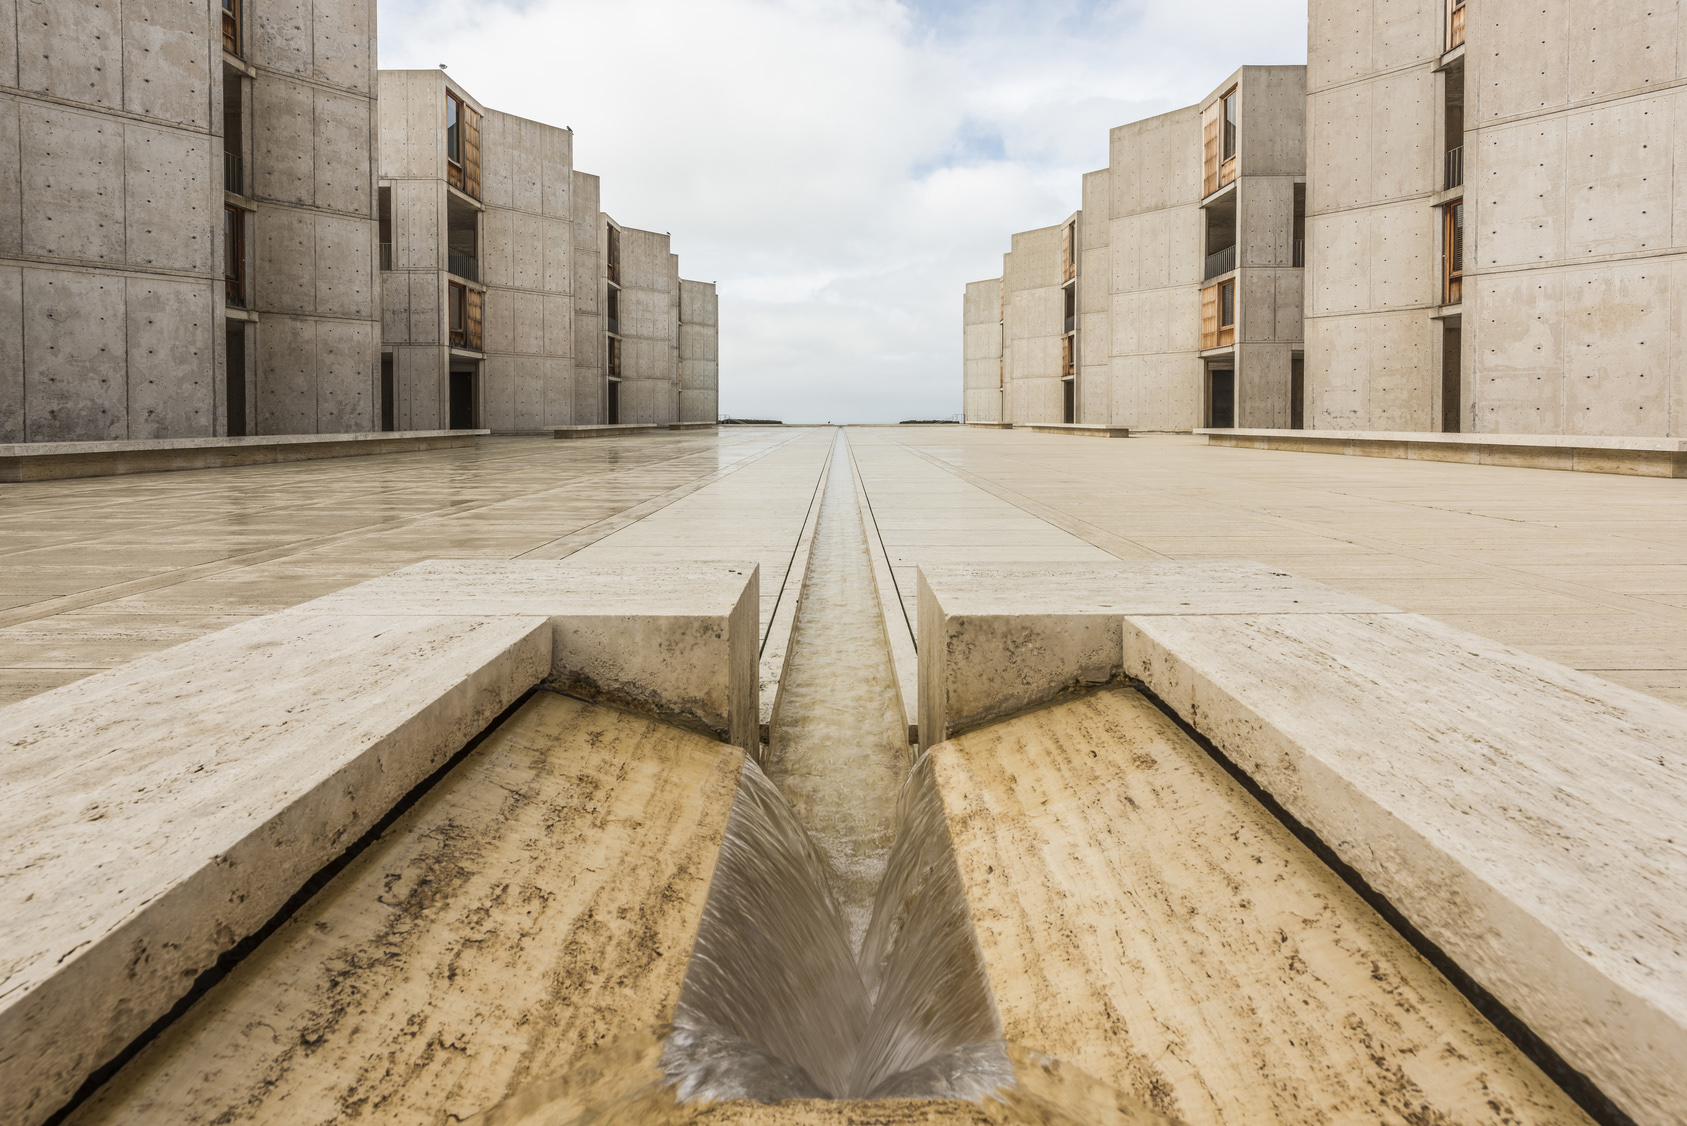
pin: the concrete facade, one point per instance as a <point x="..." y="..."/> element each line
<point x="187" y="229"/>
<point x="981" y="347"/>
<point x="699" y="352"/>
<point x="1172" y="300"/>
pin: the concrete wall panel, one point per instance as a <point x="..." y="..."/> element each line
<point x="499" y="321"/>
<point x="283" y="114"/>
<point x="286" y="379"/>
<point x="167" y="60"/>
<point x="346" y="355"/>
<point x="11" y="179"/>
<point x="559" y="255"/>
<point x="556" y="176"/>
<point x="345" y="278"/>
<point x="9" y="52"/>
<point x="497" y="409"/>
<point x="72" y="184"/>
<point x="1619" y="178"/>
<point x="1339" y="172"/>
<point x="342" y="36"/>
<point x="1618" y="350"/>
<point x="395" y="307"/>
<point x="527" y="328"/>
<point x="72" y="51"/>
<point x="11" y="355"/>
<point x="1519" y="215"/>
<point x="558" y="313"/>
<point x="1524" y="63"/>
<point x="282" y="35"/>
<point x="171" y="344"/>
<point x="1402" y="132"/>
<point x="342" y="154"/>
<point x="427" y="309"/>
<point x="75" y="388"/>
<point x="166" y="195"/>
<point x="286" y="261"/>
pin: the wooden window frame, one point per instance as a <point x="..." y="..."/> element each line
<point x="1214" y="333"/>
<point x="1452" y="253"/>
<point x="231" y="27"/>
<point x="1455" y="24"/>
<point x="234" y="256"/>
<point x="1068" y="252"/>
<point x="456" y="314"/>
<point x="454" y="135"/>
<point x="1068" y="356"/>
<point x="613" y="357"/>
<point x="612" y="254"/>
<point x="1217" y="169"/>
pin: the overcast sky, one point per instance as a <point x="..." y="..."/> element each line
<point x="841" y="168"/>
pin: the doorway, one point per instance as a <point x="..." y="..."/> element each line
<point x="234" y="368"/>
<point x="389" y="401"/>
<point x="1452" y="376"/>
<point x="614" y="401"/>
<point x="462" y="399"/>
<point x="1297" y="392"/>
<point x="1221" y="398"/>
<point x="1069" y="390"/>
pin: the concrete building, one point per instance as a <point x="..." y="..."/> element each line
<point x="1172" y="299"/>
<point x="510" y="301"/>
<point x="187" y="224"/>
<point x="981" y="347"/>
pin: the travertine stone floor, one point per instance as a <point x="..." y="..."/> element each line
<point x="98" y="571"/>
<point x="1584" y="569"/>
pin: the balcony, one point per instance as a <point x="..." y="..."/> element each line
<point x="1454" y="168"/>
<point x="234" y="178"/>
<point x="464" y="266"/>
<point x="386" y="255"/>
<point x="1221" y="262"/>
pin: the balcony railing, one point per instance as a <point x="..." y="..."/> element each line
<point x="234" y="178"/>
<point x="1455" y="168"/>
<point x="1221" y="261"/>
<point x="1300" y="252"/>
<point x="465" y="266"/>
<point x="386" y="255"/>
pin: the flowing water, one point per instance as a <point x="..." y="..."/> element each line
<point x="836" y="957"/>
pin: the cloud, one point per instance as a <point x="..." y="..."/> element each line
<point x="841" y="168"/>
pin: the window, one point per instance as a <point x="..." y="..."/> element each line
<point x="615" y="357"/>
<point x="383" y="197"/>
<point x="456" y="313"/>
<point x="1068" y="252"/>
<point x="234" y="256"/>
<point x="612" y="311"/>
<point x="612" y="254"/>
<point x="1071" y="308"/>
<point x="1227" y="306"/>
<point x="453" y="129"/>
<point x="1455" y="24"/>
<point x="1229" y="117"/>
<point x="231" y="27"/>
<point x="1452" y="253"/>
<point x="1067" y="359"/>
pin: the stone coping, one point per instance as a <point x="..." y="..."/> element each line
<point x="1646" y="457"/>
<point x="692" y="425"/>
<point x="47" y="461"/>
<point x="603" y="429"/>
<point x="162" y="811"/>
<point x="990" y="425"/>
<point x="1523" y="816"/>
<point x="1082" y="428"/>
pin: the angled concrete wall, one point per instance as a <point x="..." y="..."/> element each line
<point x="699" y="352"/>
<point x="981" y="349"/>
<point x="110" y="221"/>
<point x="649" y="323"/>
<point x="589" y="372"/>
<point x="313" y="235"/>
<point x="1154" y="255"/>
<point x="527" y="265"/>
<point x="1033" y="322"/>
<point x="1373" y="255"/>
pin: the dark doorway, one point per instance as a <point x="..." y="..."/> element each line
<point x="1297" y="394"/>
<point x="1221" y="398"/>
<point x="614" y="400"/>
<point x="389" y="403"/>
<point x="1070" y="391"/>
<point x="462" y="399"/>
<point x="235" y="379"/>
<point x="1452" y="378"/>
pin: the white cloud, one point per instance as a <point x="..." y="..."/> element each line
<point x="840" y="167"/>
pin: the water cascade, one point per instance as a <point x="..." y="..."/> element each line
<point x="836" y="957"/>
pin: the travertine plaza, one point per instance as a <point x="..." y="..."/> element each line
<point x="370" y="753"/>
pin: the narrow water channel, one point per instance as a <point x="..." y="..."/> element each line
<point x="839" y="752"/>
<point x="835" y="958"/>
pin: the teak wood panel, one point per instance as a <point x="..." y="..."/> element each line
<point x="472" y="318"/>
<point x="1068" y="255"/>
<point x="1209" y="317"/>
<point x="1209" y="148"/>
<point x="471" y="152"/>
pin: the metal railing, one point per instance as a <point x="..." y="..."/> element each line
<point x="465" y="266"/>
<point x="234" y="178"/>
<point x="386" y="255"/>
<point x="1300" y="252"/>
<point x="1455" y="168"/>
<point x="1221" y="261"/>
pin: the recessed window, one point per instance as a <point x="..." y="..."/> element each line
<point x="453" y="129"/>
<point x="231" y="27"/>
<point x="1227" y="305"/>
<point x="1229" y="126"/>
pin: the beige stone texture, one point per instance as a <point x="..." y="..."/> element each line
<point x="536" y="905"/>
<point x="699" y="353"/>
<point x="981" y="350"/>
<point x="1143" y="918"/>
